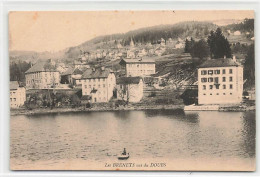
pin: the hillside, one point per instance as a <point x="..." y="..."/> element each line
<point x="152" y="35"/>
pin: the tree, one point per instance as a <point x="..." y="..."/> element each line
<point x="190" y="96"/>
<point x="218" y="44"/>
<point x="200" y="50"/>
<point x="249" y="67"/>
<point x="188" y="45"/>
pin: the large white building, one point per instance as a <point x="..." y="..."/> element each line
<point x="130" y="89"/>
<point x="98" y="84"/>
<point x="138" y="67"/>
<point x="42" y="75"/>
<point x="17" y="95"/>
<point x="220" y="81"/>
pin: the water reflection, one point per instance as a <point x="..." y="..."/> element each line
<point x="95" y="136"/>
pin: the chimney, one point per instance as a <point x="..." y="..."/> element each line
<point x="234" y="58"/>
<point x="225" y="57"/>
<point x="102" y="68"/>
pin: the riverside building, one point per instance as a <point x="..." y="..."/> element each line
<point x="42" y="75"/>
<point x="17" y="95"/>
<point x="98" y="84"/>
<point x="220" y="81"/>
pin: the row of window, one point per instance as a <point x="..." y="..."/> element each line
<point x="97" y="80"/>
<point x="40" y="81"/>
<point x="204" y="87"/>
<point x="39" y="74"/>
<point x="217" y="94"/>
<point x="94" y="86"/>
<point x="141" y="65"/>
<point x="216" y="79"/>
<point x="99" y="86"/>
<point x="12" y="99"/>
<point x="217" y="71"/>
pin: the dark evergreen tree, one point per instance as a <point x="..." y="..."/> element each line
<point x="218" y="44"/>
<point x="249" y="67"/>
<point x="189" y="45"/>
<point x="200" y="49"/>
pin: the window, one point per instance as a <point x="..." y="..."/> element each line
<point x="217" y="94"/>
<point x="224" y="93"/>
<point x="230" y="71"/>
<point x="204" y="93"/>
<point x="210" y="72"/>
<point x="230" y="79"/>
<point x="217" y="86"/>
<point x="210" y="94"/>
<point x="224" y="86"/>
<point x="224" y="79"/>
<point x="216" y="79"/>
<point x="86" y="86"/>
<point x="210" y="87"/>
<point x="204" y="87"/>
<point x="203" y="72"/>
<point x="210" y="79"/>
<point x="230" y="93"/>
<point x="223" y="71"/>
<point x="94" y="80"/>
<point x="98" y="85"/>
<point x="217" y="71"/>
<point x="203" y="79"/>
<point x="104" y="85"/>
<point x="231" y="86"/>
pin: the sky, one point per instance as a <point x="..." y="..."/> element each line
<point x="53" y="31"/>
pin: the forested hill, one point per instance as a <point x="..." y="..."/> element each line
<point x="245" y="26"/>
<point x="153" y="34"/>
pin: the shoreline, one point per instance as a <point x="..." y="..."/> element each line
<point x="15" y="112"/>
<point x="23" y="111"/>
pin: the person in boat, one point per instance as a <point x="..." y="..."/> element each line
<point x="124" y="152"/>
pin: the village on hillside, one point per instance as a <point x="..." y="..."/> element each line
<point x="170" y="72"/>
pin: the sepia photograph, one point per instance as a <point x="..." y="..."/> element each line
<point x="159" y="90"/>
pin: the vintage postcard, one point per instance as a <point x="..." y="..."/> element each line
<point x="132" y="90"/>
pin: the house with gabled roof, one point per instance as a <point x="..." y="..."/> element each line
<point x="17" y="94"/>
<point x="138" y="67"/>
<point x="42" y="75"/>
<point x="129" y="89"/>
<point x="72" y="76"/>
<point x="98" y="84"/>
<point x="220" y="81"/>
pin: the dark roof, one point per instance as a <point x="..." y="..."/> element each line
<point x="14" y="85"/>
<point x="221" y="62"/>
<point x="72" y="70"/>
<point x="41" y="66"/>
<point x="97" y="73"/>
<point x="128" y="80"/>
<point x="137" y="61"/>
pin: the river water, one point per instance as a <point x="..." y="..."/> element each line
<point x="174" y="139"/>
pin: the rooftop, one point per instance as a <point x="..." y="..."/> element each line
<point x="96" y="73"/>
<point x="137" y="61"/>
<point x="14" y="85"/>
<point x="128" y="80"/>
<point x="41" y="66"/>
<point x="72" y="70"/>
<point x="221" y="62"/>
